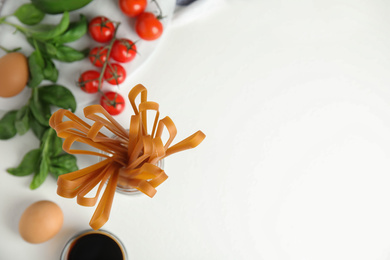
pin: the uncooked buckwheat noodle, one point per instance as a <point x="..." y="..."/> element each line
<point x="130" y="155"/>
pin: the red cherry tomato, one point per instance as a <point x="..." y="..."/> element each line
<point x="148" y="27"/>
<point x="101" y="29"/>
<point x="113" y="102"/>
<point x="114" y="74"/>
<point x="89" y="81"/>
<point x="98" y="55"/>
<point x="132" y="8"/>
<point x="123" y="50"/>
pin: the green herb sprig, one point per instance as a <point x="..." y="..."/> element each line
<point x="48" y="42"/>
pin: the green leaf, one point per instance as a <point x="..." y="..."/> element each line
<point x="68" y="54"/>
<point x="30" y="40"/>
<point x="37" y="55"/>
<point x="35" y="65"/>
<point x="38" y="46"/>
<point x="40" y="110"/>
<point x="41" y="174"/>
<point x="29" y="14"/>
<point x="49" y="48"/>
<point x="50" y="71"/>
<point x="59" y="96"/>
<point x="10" y="50"/>
<point x="63" y="164"/>
<point x="52" y="143"/>
<point x="74" y="32"/>
<point x="46" y="32"/>
<point x="67" y="161"/>
<point x="28" y="164"/>
<point x="56" y="145"/>
<point x="22" y="123"/>
<point x="57" y="171"/>
<point x="7" y="125"/>
<point x="37" y="128"/>
<point x="59" y="6"/>
<point x="50" y="146"/>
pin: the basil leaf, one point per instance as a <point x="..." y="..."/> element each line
<point x="67" y="161"/>
<point x="37" y="128"/>
<point x="45" y="137"/>
<point x="29" y="14"/>
<point x="41" y="174"/>
<point x="28" y="164"/>
<point x="38" y="55"/>
<point x="48" y="48"/>
<point x="53" y="143"/>
<point x="7" y="125"/>
<point x="35" y="65"/>
<point x="63" y="164"/>
<point x="50" y="71"/>
<point x="57" y="171"/>
<point x="40" y="111"/>
<point x="22" y="123"/>
<point x="39" y="46"/>
<point x="47" y="32"/>
<point x="56" y="145"/>
<point x="10" y="50"/>
<point x="68" y="54"/>
<point x="59" y="96"/>
<point x="75" y="31"/>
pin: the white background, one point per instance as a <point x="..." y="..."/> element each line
<point x="294" y="97"/>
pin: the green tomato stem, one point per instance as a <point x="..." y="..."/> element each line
<point x="106" y="62"/>
<point x="160" y="15"/>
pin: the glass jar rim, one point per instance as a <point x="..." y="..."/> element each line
<point x="67" y="247"/>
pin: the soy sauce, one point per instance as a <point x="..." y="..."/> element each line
<point x="95" y="246"/>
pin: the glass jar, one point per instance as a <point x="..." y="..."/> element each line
<point x="94" y="244"/>
<point x="121" y="187"/>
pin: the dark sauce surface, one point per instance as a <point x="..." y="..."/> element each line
<point x="95" y="247"/>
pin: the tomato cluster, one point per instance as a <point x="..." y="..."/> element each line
<point x="118" y="50"/>
<point x="115" y="51"/>
<point x="147" y="25"/>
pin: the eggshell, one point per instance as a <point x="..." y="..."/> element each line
<point x="41" y="221"/>
<point x="13" y="74"/>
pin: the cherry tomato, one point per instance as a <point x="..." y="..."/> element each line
<point x="114" y="74"/>
<point x="132" y="8"/>
<point x="89" y="81"/>
<point x="123" y="50"/>
<point x="148" y="27"/>
<point x="98" y="55"/>
<point x="113" y="102"/>
<point x="101" y="29"/>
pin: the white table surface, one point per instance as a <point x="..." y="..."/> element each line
<point x="294" y="97"/>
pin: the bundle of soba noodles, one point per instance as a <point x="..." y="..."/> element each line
<point x="130" y="156"/>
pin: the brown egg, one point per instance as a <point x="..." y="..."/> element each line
<point x="41" y="221"/>
<point x="13" y="74"/>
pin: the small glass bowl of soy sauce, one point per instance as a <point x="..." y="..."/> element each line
<point x="94" y="245"/>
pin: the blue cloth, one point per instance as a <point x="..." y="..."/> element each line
<point x="184" y="2"/>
